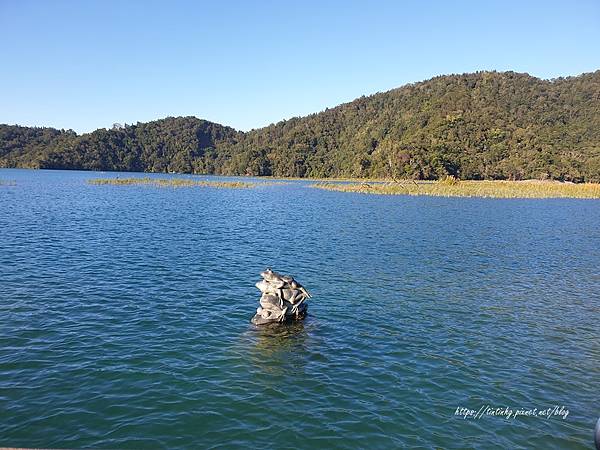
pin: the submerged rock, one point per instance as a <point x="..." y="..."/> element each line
<point x="283" y="298"/>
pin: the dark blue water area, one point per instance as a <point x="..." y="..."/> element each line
<point x="125" y="317"/>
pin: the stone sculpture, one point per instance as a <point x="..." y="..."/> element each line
<point x="283" y="298"/>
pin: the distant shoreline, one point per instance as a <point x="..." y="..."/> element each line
<point x="284" y="178"/>
<point x="447" y="187"/>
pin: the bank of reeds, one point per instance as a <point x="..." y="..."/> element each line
<point x="170" y="182"/>
<point x="451" y="187"/>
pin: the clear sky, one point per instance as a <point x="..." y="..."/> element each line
<point x="88" y="64"/>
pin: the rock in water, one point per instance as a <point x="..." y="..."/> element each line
<point x="283" y="298"/>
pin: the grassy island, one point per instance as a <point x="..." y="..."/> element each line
<point x="450" y="187"/>
<point x="170" y="182"/>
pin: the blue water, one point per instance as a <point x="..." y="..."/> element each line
<point x="125" y="317"/>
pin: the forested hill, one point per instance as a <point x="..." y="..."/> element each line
<point x="486" y="125"/>
<point x="182" y="144"/>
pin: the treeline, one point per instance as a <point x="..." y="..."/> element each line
<point x="486" y="125"/>
<point x="182" y="144"/>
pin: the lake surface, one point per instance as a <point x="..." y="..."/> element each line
<point x="125" y="317"/>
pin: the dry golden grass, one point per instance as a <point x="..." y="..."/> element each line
<point x="454" y="188"/>
<point x="170" y="182"/>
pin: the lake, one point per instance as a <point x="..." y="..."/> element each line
<point x="126" y="318"/>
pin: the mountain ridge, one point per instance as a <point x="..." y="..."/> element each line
<point x="482" y="125"/>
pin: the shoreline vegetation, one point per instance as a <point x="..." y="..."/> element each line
<point x="446" y="187"/>
<point x="170" y="182"/>
<point x="452" y="187"/>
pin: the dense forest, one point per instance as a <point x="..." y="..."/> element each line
<point x="486" y="125"/>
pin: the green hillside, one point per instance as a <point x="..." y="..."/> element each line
<point x="486" y="125"/>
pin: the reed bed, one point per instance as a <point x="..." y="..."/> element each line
<point x="488" y="189"/>
<point x="170" y="182"/>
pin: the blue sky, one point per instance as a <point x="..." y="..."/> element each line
<point x="88" y="64"/>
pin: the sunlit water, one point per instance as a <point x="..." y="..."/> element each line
<point x="125" y="317"/>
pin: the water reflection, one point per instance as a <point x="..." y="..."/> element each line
<point x="279" y="337"/>
<point x="279" y="349"/>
